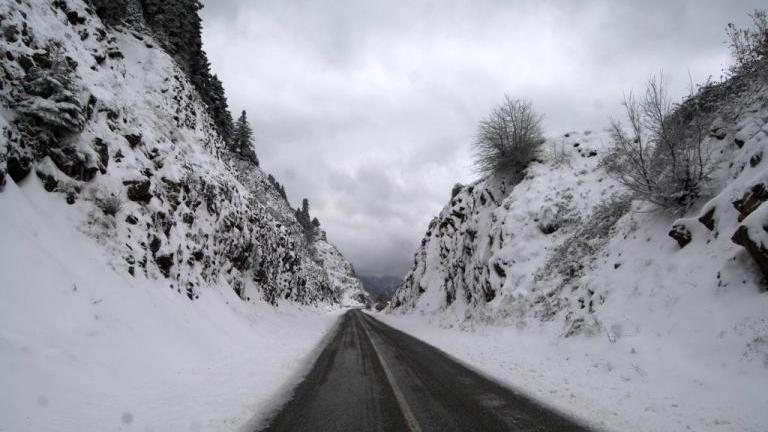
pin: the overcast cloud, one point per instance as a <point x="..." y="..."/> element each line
<point x="368" y="108"/>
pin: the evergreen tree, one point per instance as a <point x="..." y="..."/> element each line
<point x="302" y="215"/>
<point x="217" y="102"/>
<point x="242" y="136"/>
<point x="309" y="225"/>
<point x="278" y="187"/>
<point x="242" y="139"/>
<point x="178" y="27"/>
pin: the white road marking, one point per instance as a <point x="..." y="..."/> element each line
<point x="410" y="420"/>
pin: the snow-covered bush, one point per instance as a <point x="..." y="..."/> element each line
<point x="110" y="205"/>
<point x="508" y="139"/>
<point x="569" y="259"/>
<point x="558" y="154"/>
<point x="749" y="46"/>
<point x="664" y="157"/>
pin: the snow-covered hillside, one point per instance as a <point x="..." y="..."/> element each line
<point x="84" y="346"/>
<point x="104" y="118"/>
<point x="142" y="259"/>
<point x="657" y="336"/>
<point x="348" y="287"/>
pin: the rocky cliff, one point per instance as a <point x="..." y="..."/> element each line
<point x="111" y="106"/>
<point x="568" y="248"/>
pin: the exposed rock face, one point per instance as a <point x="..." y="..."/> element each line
<point x="757" y="251"/>
<point x="681" y="234"/>
<point x="484" y="256"/>
<point x="139" y="191"/>
<point x="92" y="122"/>
<point x="751" y="200"/>
<point x="346" y="285"/>
<point x="708" y="219"/>
<point x="560" y="243"/>
<point x="752" y="235"/>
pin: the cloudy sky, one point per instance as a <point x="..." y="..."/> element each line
<point x="368" y="108"/>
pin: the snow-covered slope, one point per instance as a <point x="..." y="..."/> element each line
<point x="488" y="251"/>
<point x="348" y="287"/>
<point x="141" y="261"/>
<point x="565" y="262"/>
<point x="87" y="347"/>
<point x="124" y="133"/>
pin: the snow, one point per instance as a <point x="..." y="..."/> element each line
<point x="93" y="336"/>
<point x="643" y="382"/>
<point x="642" y="335"/>
<point x="210" y="215"/>
<point x="86" y="348"/>
<point x="621" y="326"/>
<point x="348" y="288"/>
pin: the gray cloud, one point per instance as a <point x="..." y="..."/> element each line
<point x="367" y="108"/>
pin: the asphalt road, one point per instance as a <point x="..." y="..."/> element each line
<point x="372" y="377"/>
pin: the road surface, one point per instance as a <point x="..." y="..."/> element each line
<point x="372" y="377"/>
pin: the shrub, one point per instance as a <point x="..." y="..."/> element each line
<point x="663" y="158"/>
<point x="749" y="46"/>
<point x="577" y="251"/>
<point x="508" y="139"/>
<point x="558" y="154"/>
<point x="110" y="205"/>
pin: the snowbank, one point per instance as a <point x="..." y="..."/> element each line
<point x="610" y="385"/>
<point x="86" y="348"/>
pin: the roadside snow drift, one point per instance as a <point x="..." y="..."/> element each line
<point x="86" y="348"/>
<point x="150" y="279"/>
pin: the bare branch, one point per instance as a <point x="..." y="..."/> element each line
<point x="508" y="139"/>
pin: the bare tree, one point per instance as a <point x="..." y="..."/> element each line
<point x="664" y="157"/>
<point x="750" y="45"/>
<point x="508" y="139"/>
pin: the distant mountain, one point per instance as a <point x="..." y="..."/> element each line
<point x="381" y="285"/>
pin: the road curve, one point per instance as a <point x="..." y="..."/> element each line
<point x="372" y="377"/>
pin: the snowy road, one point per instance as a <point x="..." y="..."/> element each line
<point x="372" y="377"/>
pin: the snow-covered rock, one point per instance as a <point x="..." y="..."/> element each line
<point x="589" y="291"/>
<point x="491" y="248"/>
<point x="347" y="286"/>
<point x="141" y="261"/>
<point x="103" y="117"/>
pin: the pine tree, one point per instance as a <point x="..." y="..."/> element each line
<point x="278" y="187"/>
<point x="178" y="27"/>
<point x="310" y="226"/>
<point x="217" y="102"/>
<point x="242" y="135"/>
<point x="242" y="139"/>
<point x="302" y="214"/>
